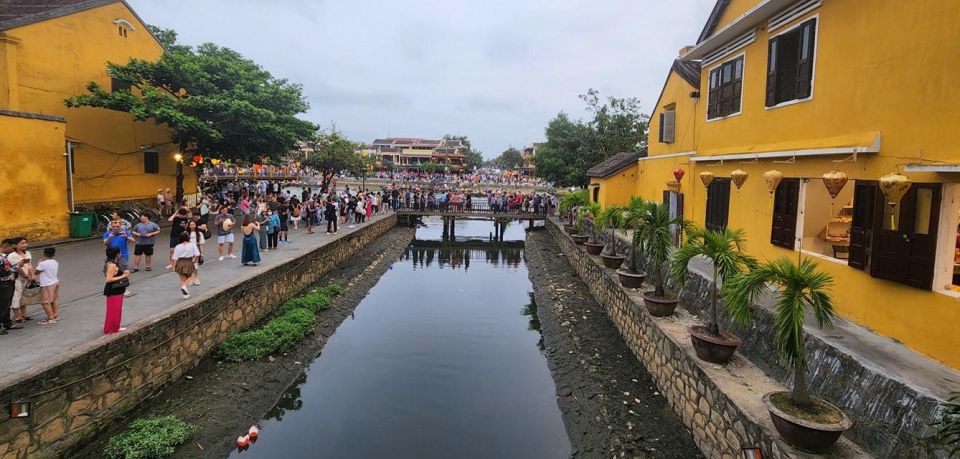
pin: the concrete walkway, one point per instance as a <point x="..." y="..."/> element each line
<point x="82" y="302"/>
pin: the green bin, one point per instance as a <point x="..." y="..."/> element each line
<point x="81" y="223"/>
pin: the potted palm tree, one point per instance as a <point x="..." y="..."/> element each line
<point x="593" y="246"/>
<point x="724" y="249"/>
<point x="610" y="220"/>
<point x="565" y="207"/>
<point x="656" y="232"/>
<point x="633" y="217"/>
<point x="806" y="422"/>
<point x="579" y="238"/>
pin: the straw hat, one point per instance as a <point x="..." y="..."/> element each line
<point x="228" y="224"/>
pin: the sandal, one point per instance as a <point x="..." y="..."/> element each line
<point x="149" y="268"/>
<point x="135" y="270"/>
<point x="47" y="322"/>
<point x="27" y="318"/>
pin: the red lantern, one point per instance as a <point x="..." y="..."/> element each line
<point x="678" y="173"/>
<point x="253" y="433"/>
<point x="243" y="441"/>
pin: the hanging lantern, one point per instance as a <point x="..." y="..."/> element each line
<point x="738" y="177"/>
<point x="773" y="178"/>
<point x="678" y="174"/>
<point x="706" y="178"/>
<point x="834" y="181"/>
<point x="894" y="186"/>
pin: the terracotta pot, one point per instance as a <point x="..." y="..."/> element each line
<point x="661" y="307"/>
<point x="810" y="436"/>
<point x="612" y="261"/>
<point x="579" y="239"/>
<point x="631" y="280"/>
<point x="711" y="348"/>
<point x="593" y="249"/>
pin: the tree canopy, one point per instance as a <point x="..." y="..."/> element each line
<point x="573" y="146"/>
<point x="211" y="98"/>
<point x="474" y="157"/>
<point x="509" y="159"/>
<point x="333" y="153"/>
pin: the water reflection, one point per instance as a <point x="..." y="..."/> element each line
<point x="530" y="310"/>
<point x="459" y="255"/>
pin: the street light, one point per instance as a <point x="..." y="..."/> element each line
<point x="179" y="158"/>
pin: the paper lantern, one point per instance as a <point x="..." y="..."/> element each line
<point x="738" y="177"/>
<point x="678" y="173"/>
<point x="773" y="178"/>
<point x="834" y="181"/>
<point x="253" y="433"/>
<point x="706" y="178"/>
<point x="894" y="186"/>
<point x="243" y="441"/>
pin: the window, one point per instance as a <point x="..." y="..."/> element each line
<point x="668" y="123"/>
<point x="151" y="162"/>
<point x="122" y="31"/>
<point x="118" y="85"/>
<point x="596" y="193"/>
<point x="790" y="64"/>
<point x="785" y="201"/>
<point x="725" y="82"/>
<point x="718" y="203"/>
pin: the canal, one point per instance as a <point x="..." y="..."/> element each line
<point x="441" y="359"/>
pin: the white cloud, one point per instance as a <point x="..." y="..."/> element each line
<point x="496" y="70"/>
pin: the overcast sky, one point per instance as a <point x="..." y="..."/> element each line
<point x="494" y="70"/>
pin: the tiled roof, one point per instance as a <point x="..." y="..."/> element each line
<point x="613" y="164"/>
<point x="16" y="13"/>
<point x="688" y="70"/>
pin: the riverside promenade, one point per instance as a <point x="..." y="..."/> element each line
<point x="36" y="347"/>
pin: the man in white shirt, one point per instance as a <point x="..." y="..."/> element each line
<point x="48" y="271"/>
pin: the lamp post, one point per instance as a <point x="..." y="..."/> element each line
<point x="179" y="158"/>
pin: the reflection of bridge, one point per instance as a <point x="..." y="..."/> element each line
<point x="458" y="254"/>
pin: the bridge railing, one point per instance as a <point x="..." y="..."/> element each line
<point x="481" y="207"/>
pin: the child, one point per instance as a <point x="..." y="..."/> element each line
<point x="47" y="271"/>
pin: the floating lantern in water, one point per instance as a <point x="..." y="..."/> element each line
<point x="253" y="433"/>
<point x="706" y="178"/>
<point x="738" y="177"/>
<point x="243" y="441"/>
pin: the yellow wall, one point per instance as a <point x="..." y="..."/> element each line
<point x="55" y="60"/>
<point x="33" y="179"/>
<point x="615" y="189"/>
<point x="676" y="91"/>
<point x="887" y="69"/>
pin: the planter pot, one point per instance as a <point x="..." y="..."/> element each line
<point x="612" y="261"/>
<point x="662" y="307"/>
<point x="714" y="349"/>
<point x="569" y="229"/>
<point x="579" y="239"/>
<point x="593" y="249"/>
<point x="631" y="280"/>
<point x="806" y="434"/>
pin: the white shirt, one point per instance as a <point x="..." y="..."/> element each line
<point x="185" y="251"/>
<point x="47" y="272"/>
<point x="193" y="238"/>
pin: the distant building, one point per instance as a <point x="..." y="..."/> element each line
<point x="407" y="153"/>
<point x="528" y="168"/>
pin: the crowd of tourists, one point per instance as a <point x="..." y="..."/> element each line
<point x="480" y="177"/>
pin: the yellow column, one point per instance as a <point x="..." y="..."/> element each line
<point x="9" y="98"/>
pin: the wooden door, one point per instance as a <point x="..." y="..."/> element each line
<point x="905" y="247"/>
<point x="785" y="206"/>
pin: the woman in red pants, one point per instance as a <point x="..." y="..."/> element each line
<point x="115" y="284"/>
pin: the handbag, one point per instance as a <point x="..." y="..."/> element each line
<point x="200" y="260"/>
<point x="122" y="283"/>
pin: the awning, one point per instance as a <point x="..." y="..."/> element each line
<point x="867" y="142"/>
<point x="932" y="168"/>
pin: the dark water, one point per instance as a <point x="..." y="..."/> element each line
<point x="441" y="359"/>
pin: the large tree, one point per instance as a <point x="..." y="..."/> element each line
<point x="509" y="159"/>
<point x="210" y="97"/>
<point x="334" y="153"/>
<point x="573" y="146"/>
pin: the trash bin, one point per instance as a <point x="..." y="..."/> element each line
<point x="81" y="223"/>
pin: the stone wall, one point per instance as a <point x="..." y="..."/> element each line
<point x="721" y="405"/>
<point x="110" y="375"/>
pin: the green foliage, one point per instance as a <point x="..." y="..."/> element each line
<point x="573" y="199"/>
<point x="573" y="146"/>
<point x="297" y="319"/>
<point x="633" y="219"/>
<point x="654" y="229"/>
<point x="146" y="438"/>
<point x="797" y="287"/>
<point x="948" y="429"/>
<point x="334" y="153"/>
<point x="590" y="210"/>
<point x="610" y="218"/>
<point x="509" y="159"/>
<point x="211" y="95"/>
<point x="724" y="248"/>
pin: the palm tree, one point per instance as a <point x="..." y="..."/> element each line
<point x="634" y="217"/>
<point x="724" y="248"/>
<point x="610" y="218"/>
<point x="797" y="287"/>
<point x="591" y="210"/>
<point x="656" y="231"/>
<point x="571" y="200"/>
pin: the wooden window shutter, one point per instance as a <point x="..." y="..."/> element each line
<point x="151" y="162"/>
<point x="865" y="207"/>
<point x="772" y="72"/>
<point x="783" y="231"/>
<point x="660" y="135"/>
<point x="713" y="96"/>
<point x="668" y="125"/>
<point x="718" y="204"/>
<point x="805" y="53"/>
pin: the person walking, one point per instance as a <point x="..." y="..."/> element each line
<point x="273" y="230"/>
<point x="331" y="215"/>
<point x="178" y="225"/>
<point x="249" y="253"/>
<point x="48" y="276"/>
<point x="199" y="239"/>
<point x="116" y="282"/>
<point x="144" y="232"/>
<point x="8" y="278"/>
<point x="21" y="257"/>
<point x="186" y="255"/>
<point x="284" y="217"/>
<point x="224" y="223"/>
<point x="264" y="221"/>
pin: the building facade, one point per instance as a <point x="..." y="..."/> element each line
<point x="50" y="51"/>
<point x="787" y="118"/>
<point x="528" y="155"/>
<point x="412" y="154"/>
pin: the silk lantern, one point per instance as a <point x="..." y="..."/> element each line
<point x="894" y="186"/>
<point x="678" y="174"/>
<point x="738" y="177"/>
<point x="773" y="178"/>
<point x="834" y="181"/>
<point x="706" y="178"/>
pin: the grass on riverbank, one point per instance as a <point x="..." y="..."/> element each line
<point x="149" y="438"/>
<point x="297" y="318"/>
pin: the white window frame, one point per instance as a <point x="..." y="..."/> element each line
<point x="743" y="79"/>
<point x="946" y="239"/>
<point x="816" y="58"/>
<point x="798" y="232"/>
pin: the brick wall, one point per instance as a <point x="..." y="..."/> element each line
<point x="111" y="375"/>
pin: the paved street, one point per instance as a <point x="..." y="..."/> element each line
<point x="82" y="307"/>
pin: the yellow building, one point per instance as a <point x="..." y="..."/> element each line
<point x="50" y="51"/>
<point x="613" y="179"/>
<point x="813" y="86"/>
